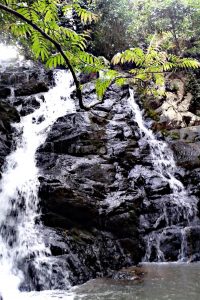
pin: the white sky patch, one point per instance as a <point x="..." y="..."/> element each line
<point x="9" y="53"/>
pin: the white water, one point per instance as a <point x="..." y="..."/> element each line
<point x="165" y="167"/>
<point x="162" y="159"/>
<point x="20" y="236"/>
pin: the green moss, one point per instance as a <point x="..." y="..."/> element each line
<point x="175" y="135"/>
<point x="153" y="114"/>
<point x="174" y="87"/>
<point x="164" y="132"/>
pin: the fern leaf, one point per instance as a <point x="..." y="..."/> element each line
<point x="116" y="59"/>
<point x="101" y="86"/>
<point x="85" y="15"/>
<point x="121" y="81"/>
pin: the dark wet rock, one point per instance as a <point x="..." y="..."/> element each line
<point x="170" y="244"/>
<point x="84" y="78"/>
<point x="98" y="183"/>
<point x="88" y="253"/>
<point x="8" y="115"/>
<point x="31" y="89"/>
<point x="132" y="273"/>
<point x="23" y="73"/>
<point x="27" y="105"/>
<point x="187" y="155"/>
<point x="13" y="78"/>
<point x="4" y="92"/>
<point x="192" y="243"/>
<point x="85" y="189"/>
<point x="73" y="134"/>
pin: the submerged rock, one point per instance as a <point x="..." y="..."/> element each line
<point x="133" y="274"/>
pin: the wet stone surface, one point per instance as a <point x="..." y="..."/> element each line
<point x="101" y="197"/>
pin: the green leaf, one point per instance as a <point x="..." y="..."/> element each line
<point x="101" y="86"/>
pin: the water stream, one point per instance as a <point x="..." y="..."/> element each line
<point x="184" y="205"/>
<point x="161" y="282"/>
<point x="21" y="239"/>
<point x="22" y="247"/>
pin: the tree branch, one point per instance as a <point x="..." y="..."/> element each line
<point x="57" y="46"/>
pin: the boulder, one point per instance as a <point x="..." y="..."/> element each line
<point x="84" y="186"/>
<point x="187" y="155"/>
<point x="28" y="89"/>
<point x="4" y="92"/>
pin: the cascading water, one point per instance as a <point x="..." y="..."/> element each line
<point x="22" y="249"/>
<point x="184" y="206"/>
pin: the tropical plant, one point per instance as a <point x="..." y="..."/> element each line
<point x="111" y="31"/>
<point x="126" y="23"/>
<point x="38" y="22"/>
<point x="56" y="45"/>
<point x="151" y="65"/>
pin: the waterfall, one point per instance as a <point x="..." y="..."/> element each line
<point x="164" y="165"/>
<point x="21" y="239"/>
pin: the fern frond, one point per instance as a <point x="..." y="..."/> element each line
<point x="19" y="29"/>
<point x="39" y="46"/>
<point x="55" y="61"/>
<point x="135" y="55"/>
<point x="101" y="86"/>
<point x="24" y="11"/>
<point x="116" y="59"/>
<point x="121" y="81"/>
<point x="85" y="15"/>
<point x="87" y="58"/>
<point x="168" y="66"/>
<point x="71" y="34"/>
<point x="188" y="63"/>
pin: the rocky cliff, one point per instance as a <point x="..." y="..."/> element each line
<point x="100" y="195"/>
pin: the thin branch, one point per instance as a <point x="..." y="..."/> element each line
<point x="57" y="46"/>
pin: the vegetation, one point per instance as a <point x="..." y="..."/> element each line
<point x="132" y="24"/>
<point x="49" y="29"/>
<point x="51" y="42"/>
<point x="111" y="32"/>
<point x="152" y="64"/>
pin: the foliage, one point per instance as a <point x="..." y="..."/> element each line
<point x="51" y="42"/>
<point x="175" y="16"/>
<point x="57" y="45"/>
<point x="152" y="64"/>
<point x="111" y="31"/>
<point x="45" y="13"/>
<point x="126" y="24"/>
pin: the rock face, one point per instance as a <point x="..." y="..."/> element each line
<point x="8" y="115"/>
<point x="98" y="182"/>
<point x="170" y="231"/>
<point x="85" y="189"/>
<point x="175" y="110"/>
<point x="100" y="194"/>
<point x="18" y="80"/>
